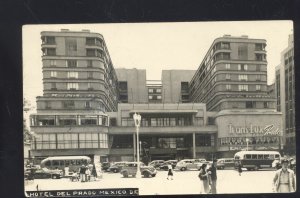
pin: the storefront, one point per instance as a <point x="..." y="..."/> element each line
<point x="248" y="130"/>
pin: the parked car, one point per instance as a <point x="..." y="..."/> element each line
<point x="156" y="163"/>
<point x="105" y="166"/>
<point x="130" y="168"/>
<point x="116" y="167"/>
<point x="164" y="166"/>
<point x="225" y="163"/>
<point x="188" y="164"/>
<point x="45" y="173"/>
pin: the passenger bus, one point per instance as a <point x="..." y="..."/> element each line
<point x="60" y="162"/>
<point x="254" y="160"/>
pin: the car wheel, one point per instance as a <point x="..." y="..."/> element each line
<point x="153" y="175"/>
<point x="182" y="169"/>
<point x="146" y="174"/>
<point x="125" y="174"/>
<point x="115" y="170"/>
<point x="54" y="176"/>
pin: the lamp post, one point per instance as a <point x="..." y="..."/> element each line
<point x="137" y="122"/>
<point x="247" y="141"/>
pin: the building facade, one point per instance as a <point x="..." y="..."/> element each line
<point x="80" y="85"/>
<point x="233" y="75"/>
<point x="285" y="94"/>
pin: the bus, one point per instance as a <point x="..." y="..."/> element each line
<point x="254" y="160"/>
<point x="60" y="162"/>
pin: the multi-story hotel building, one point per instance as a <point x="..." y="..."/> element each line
<point x="233" y="75"/>
<point x="80" y="85"/>
<point x="81" y="113"/>
<point x="285" y="93"/>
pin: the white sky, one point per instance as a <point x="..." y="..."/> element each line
<point x="155" y="46"/>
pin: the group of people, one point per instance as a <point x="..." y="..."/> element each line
<point x="85" y="173"/>
<point x="208" y="176"/>
<point x="283" y="181"/>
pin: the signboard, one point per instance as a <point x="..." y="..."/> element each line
<point x="267" y="130"/>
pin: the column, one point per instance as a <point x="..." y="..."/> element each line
<point x="134" y="147"/>
<point x="194" y="145"/>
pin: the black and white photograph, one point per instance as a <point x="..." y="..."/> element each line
<point x="159" y="108"/>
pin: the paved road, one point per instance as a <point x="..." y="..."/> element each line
<point x="185" y="182"/>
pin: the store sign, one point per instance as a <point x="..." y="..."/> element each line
<point x="255" y="130"/>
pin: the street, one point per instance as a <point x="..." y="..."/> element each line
<point x="186" y="182"/>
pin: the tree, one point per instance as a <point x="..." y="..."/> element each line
<point x="27" y="135"/>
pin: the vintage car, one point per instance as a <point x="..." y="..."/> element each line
<point x="165" y="165"/>
<point x="224" y="163"/>
<point x="130" y="168"/>
<point x="116" y="167"/>
<point x="45" y="173"/>
<point x="156" y="163"/>
<point x="188" y="164"/>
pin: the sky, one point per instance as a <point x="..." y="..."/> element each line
<point x="155" y="46"/>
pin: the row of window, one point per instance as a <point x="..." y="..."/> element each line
<point x="72" y="51"/>
<point x="73" y="74"/>
<point x="152" y="90"/>
<point x="60" y="120"/>
<point x="70" y="141"/>
<point x="89" y="41"/>
<point x="166" y="121"/>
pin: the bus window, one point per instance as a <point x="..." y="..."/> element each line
<point x="78" y="162"/>
<point x="277" y="156"/>
<point x="247" y="156"/>
<point x="260" y="156"/>
<point x="67" y="163"/>
<point x="254" y="156"/>
<point x="271" y="156"/>
<point x="61" y="162"/>
<point x="55" y="163"/>
<point x="73" y="162"/>
<point x="266" y="156"/>
<point x="48" y="163"/>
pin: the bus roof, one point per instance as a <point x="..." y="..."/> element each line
<point x="67" y="158"/>
<point x="256" y="152"/>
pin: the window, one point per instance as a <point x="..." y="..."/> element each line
<point x="184" y="86"/>
<point x="227" y="66"/>
<point x="266" y="105"/>
<point x="158" y="90"/>
<point x="159" y="97"/>
<point x="71" y="46"/>
<point x="89" y="85"/>
<point x="49" y="51"/>
<point x="122" y="85"/>
<point x="90" y="52"/>
<point x="49" y="40"/>
<point x="69" y="104"/>
<point x="150" y="90"/>
<point x="258" y="87"/>
<point x="48" y="104"/>
<point x="247" y="156"/>
<point x="254" y="156"/>
<point x="228" y="87"/>
<point x="257" y="67"/>
<point x="210" y="121"/>
<point x="243" y="87"/>
<point x="72" y="74"/>
<point x="90" y="41"/>
<point x="87" y="104"/>
<point x="242" y="67"/>
<point x="258" y="77"/>
<point x="53" y="74"/>
<point x="52" y="62"/>
<point x="150" y="97"/>
<point x="53" y="86"/>
<point x="71" y="63"/>
<point x="72" y="86"/>
<point x="250" y="104"/>
<point x="90" y="75"/>
<point x="228" y="77"/>
<point x="89" y="63"/>
<point x="243" y="51"/>
<point x="243" y="77"/>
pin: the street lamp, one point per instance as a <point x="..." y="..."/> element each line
<point x="137" y="122"/>
<point x="247" y="141"/>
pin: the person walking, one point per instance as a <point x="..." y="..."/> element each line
<point x="240" y="168"/>
<point x="82" y="173"/>
<point x="284" y="179"/>
<point x="212" y="171"/>
<point x="170" y="172"/>
<point x="204" y="177"/>
<point x="94" y="172"/>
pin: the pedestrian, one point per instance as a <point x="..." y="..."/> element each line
<point x="203" y="176"/>
<point x="87" y="174"/>
<point x="94" y="172"/>
<point x="66" y="169"/>
<point x="82" y="173"/>
<point x="170" y="172"/>
<point x="240" y="168"/>
<point x="212" y="171"/>
<point x="284" y="179"/>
